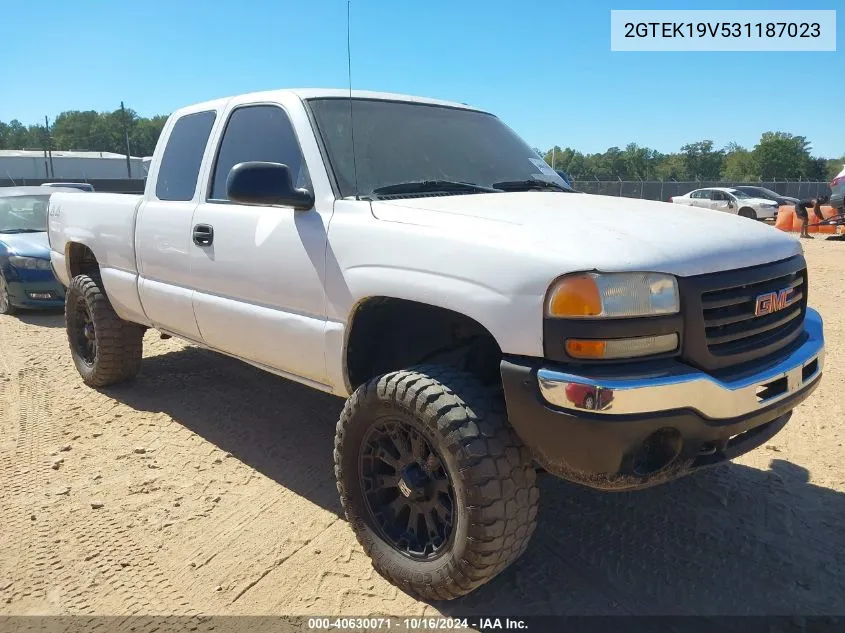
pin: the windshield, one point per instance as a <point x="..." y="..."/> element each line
<point x="400" y="142"/>
<point x="738" y="194"/>
<point x="23" y="214"/>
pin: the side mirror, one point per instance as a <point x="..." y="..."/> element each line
<point x="263" y="183"/>
<point x="730" y="205"/>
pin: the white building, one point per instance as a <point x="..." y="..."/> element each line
<point x="22" y="164"/>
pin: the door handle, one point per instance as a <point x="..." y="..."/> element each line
<point x="203" y="234"/>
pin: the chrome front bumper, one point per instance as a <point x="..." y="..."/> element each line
<point x="684" y="387"/>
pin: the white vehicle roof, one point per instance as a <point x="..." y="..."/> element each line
<point x="314" y="93"/>
<point x="725" y="189"/>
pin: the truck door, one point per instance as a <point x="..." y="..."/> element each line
<point x="258" y="271"/>
<point x="163" y="227"/>
<point x="720" y="201"/>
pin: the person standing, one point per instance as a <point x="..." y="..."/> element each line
<point x="801" y="211"/>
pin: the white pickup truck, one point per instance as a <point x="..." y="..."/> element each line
<point x="484" y="322"/>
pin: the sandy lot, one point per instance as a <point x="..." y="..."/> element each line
<point x="206" y="488"/>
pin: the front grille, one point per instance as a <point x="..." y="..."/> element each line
<point x="720" y="326"/>
<point x="730" y="325"/>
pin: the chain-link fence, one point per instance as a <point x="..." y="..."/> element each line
<point x="663" y="190"/>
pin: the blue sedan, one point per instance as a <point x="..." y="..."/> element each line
<point x="26" y="277"/>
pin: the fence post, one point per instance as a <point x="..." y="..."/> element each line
<point x="620" y="187"/>
<point x="661" y="190"/>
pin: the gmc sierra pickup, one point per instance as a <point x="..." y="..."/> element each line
<point x="484" y="322"/>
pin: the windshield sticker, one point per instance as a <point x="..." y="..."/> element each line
<point x="543" y="167"/>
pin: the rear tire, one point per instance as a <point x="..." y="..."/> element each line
<point x="745" y="212"/>
<point x="470" y="510"/>
<point x="105" y="348"/>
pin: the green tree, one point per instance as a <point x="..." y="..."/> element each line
<point x="739" y="164"/>
<point x="17" y="136"/>
<point x="782" y="155"/>
<point x="700" y="161"/>
<point x="672" y="167"/>
<point x="144" y="135"/>
<point x="72" y="130"/>
<point x="834" y="166"/>
<point x="640" y="163"/>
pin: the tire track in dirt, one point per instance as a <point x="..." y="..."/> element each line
<point x="105" y="555"/>
<point x="34" y="561"/>
<point x="126" y="574"/>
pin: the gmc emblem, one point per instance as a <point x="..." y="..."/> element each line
<point x="773" y="302"/>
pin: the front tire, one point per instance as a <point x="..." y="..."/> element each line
<point x="745" y="212"/>
<point x="6" y="306"/>
<point x="436" y="485"/>
<point x="105" y="348"/>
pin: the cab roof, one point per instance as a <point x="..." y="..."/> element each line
<point x="332" y="93"/>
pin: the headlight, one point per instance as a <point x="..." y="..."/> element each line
<point x="29" y="263"/>
<point x="613" y="295"/>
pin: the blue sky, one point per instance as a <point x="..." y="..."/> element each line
<point x="545" y="67"/>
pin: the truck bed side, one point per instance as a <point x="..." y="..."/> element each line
<point x="104" y="224"/>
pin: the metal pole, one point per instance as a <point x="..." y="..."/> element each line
<point x="554" y="156"/>
<point x="49" y="147"/>
<point x="126" y="136"/>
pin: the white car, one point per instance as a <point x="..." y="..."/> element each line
<point x="730" y="200"/>
<point x="478" y="316"/>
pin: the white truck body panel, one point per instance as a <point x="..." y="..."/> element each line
<point x="279" y="287"/>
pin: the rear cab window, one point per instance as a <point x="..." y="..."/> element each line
<point x="182" y="158"/>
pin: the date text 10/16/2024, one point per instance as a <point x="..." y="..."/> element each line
<point x="416" y="624"/>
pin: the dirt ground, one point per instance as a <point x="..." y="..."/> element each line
<point x="206" y="487"/>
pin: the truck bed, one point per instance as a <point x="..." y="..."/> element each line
<point x="105" y="224"/>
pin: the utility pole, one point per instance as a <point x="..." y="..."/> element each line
<point x="49" y="146"/>
<point x="126" y="136"/>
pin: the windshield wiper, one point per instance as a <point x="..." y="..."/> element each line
<point x="23" y="230"/>
<point x="432" y="186"/>
<point x="527" y="185"/>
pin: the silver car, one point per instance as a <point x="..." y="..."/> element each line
<point x="730" y="200"/>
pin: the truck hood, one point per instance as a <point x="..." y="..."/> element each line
<point x="27" y="244"/>
<point x="605" y="233"/>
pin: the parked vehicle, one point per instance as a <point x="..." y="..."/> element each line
<point x="767" y="194"/>
<point x="82" y="186"/>
<point x="26" y="278"/>
<point x="837" y="191"/>
<point x="453" y="302"/>
<point x="729" y="200"/>
<point x="588" y="397"/>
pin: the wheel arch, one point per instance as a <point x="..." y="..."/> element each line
<point x="410" y="332"/>
<point x="80" y="260"/>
